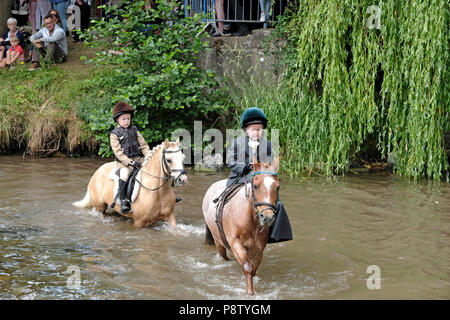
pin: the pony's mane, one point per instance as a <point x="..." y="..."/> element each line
<point x="152" y="152"/>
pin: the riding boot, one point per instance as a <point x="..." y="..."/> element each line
<point x="124" y="202"/>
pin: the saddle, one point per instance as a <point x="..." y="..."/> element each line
<point x="220" y="201"/>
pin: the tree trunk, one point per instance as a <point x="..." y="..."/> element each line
<point x="5" y="13"/>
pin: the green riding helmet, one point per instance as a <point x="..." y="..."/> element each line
<point x="252" y="116"/>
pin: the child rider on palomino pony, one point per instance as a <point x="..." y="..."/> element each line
<point x="129" y="148"/>
<point x="239" y="156"/>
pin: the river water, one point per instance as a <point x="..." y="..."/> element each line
<point x="348" y="233"/>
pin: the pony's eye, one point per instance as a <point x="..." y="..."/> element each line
<point x="169" y="161"/>
<point x="256" y="187"/>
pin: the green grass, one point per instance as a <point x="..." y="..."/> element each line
<point x="38" y="110"/>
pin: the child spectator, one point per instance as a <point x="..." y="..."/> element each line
<point x="15" y="53"/>
<point x="4" y="38"/>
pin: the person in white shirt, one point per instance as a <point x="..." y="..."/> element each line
<point x="50" y="43"/>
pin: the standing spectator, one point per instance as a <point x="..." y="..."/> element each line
<point x="50" y="43"/>
<point x="85" y="11"/>
<point x="4" y="39"/>
<point x="265" y="10"/>
<point x="220" y="13"/>
<point x="61" y="6"/>
<point x="242" y="12"/>
<point x="43" y="6"/>
<point x="15" y="53"/>
<point x="32" y="15"/>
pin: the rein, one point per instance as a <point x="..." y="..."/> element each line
<point x="166" y="170"/>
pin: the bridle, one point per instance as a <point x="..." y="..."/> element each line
<point x="269" y="206"/>
<point x="166" y="165"/>
<point x="166" y="170"/>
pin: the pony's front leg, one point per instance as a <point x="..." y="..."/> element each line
<point x="240" y="253"/>
<point x="171" y="220"/>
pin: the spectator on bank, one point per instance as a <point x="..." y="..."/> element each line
<point x="4" y="38"/>
<point x="56" y="18"/>
<point x="43" y="6"/>
<point x="50" y="44"/>
<point x="15" y="53"/>
<point x="32" y="15"/>
<point x="220" y="13"/>
<point x="241" y="8"/>
<point x="85" y="12"/>
<point x="265" y="10"/>
<point x="61" y="6"/>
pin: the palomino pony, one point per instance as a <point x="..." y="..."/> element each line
<point x="155" y="200"/>
<point x="246" y="218"/>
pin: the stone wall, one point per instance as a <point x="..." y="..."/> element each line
<point x="230" y="56"/>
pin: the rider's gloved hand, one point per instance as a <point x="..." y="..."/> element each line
<point x="137" y="165"/>
<point x="247" y="169"/>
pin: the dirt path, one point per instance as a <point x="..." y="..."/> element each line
<point x="76" y="50"/>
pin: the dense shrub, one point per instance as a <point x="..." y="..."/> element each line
<point x="153" y="55"/>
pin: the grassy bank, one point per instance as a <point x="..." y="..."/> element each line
<point x="38" y="110"/>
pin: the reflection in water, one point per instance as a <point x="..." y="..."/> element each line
<point x="340" y="227"/>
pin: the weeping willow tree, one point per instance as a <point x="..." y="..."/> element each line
<point x="359" y="71"/>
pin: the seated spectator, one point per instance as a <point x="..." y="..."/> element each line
<point x="55" y="15"/>
<point x="61" y="6"/>
<point x="4" y="39"/>
<point x="50" y="44"/>
<point x="15" y="53"/>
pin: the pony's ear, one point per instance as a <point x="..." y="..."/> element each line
<point x="276" y="164"/>
<point x="178" y="141"/>
<point x="256" y="164"/>
<point x="166" y="143"/>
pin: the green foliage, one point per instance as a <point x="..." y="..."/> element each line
<point x="153" y="54"/>
<point x="345" y="83"/>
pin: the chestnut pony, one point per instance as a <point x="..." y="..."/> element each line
<point x="155" y="200"/>
<point x="246" y="218"/>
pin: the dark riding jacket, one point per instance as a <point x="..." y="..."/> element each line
<point x="128" y="144"/>
<point x="240" y="154"/>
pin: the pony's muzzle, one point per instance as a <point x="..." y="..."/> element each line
<point x="266" y="218"/>
<point x="181" y="179"/>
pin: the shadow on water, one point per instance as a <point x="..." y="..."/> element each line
<point x="341" y="227"/>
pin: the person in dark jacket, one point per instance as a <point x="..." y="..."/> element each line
<point x="4" y="38"/>
<point x="129" y="149"/>
<point x="239" y="159"/>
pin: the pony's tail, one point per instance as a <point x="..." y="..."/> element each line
<point x="208" y="236"/>
<point x="85" y="202"/>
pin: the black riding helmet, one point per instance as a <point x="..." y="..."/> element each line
<point x="252" y="116"/>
